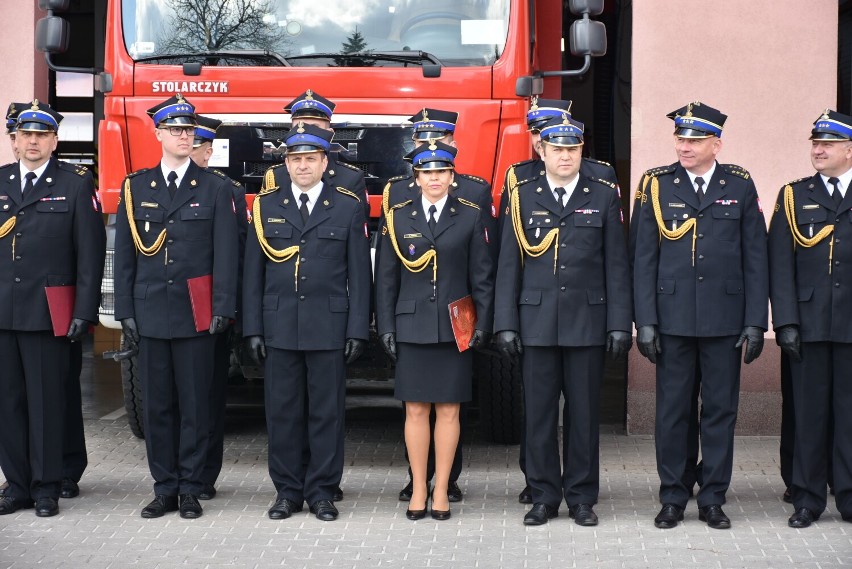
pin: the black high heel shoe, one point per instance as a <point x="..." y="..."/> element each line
<point x="441" y="514"/>
<point x="415" y="515"/>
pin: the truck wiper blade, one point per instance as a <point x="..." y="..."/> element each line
<point x="222" y="54"/>
<point x="405" y="56"/>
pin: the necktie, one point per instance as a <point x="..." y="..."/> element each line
<point x="433" y="211"/>
<point x="835" y="194"/>
<point x="28" y="185"/>
<point x="699" y="182"/>
<point x="560" y="193"/>
<point x="172" y="184"/>
<point x="303" y="209"/>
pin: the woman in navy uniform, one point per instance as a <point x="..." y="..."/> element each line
<point x="434" y="251"/>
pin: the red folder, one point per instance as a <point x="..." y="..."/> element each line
<point x="463" y="320"/>
<point x="201" y="297"/>
<point x="60" y="303"/>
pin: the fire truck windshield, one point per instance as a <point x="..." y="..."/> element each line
<point x="327" y="33"/>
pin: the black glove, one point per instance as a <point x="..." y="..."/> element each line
<point x="618" y="343"/>
<point x="648" y="342"/>
<point x="754" y="336"/>
<point x="787" y="337"/>
<point x="78" y="329"/>
<point x="218" y="324"/>
<point x="388" y="342"/>
<point x="353" y="349"/>
<point x="479" y="340"/>
<point x="508" y="343"/>
<point x="256" y="349"/>
<point x="131" y="333"/>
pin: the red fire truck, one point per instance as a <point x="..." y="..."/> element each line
<point x="380" y="61"/>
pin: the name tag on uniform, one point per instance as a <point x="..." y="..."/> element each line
<point x="677" y="204"/>
<point x="540" y="212"/>
<point x="276" y="220"/>
<point x="412" y="235"/>
<point x="811" y="206"/>
<point x="149" y="204"/>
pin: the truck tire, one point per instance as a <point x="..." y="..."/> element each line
<point x="501" y="398"/>
<point x="131" y="385"/>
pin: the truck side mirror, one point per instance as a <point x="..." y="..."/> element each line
<point x="51" y="35"/>
<point x="590" y="7"/>
<point x="527" y="86"/>
<point x="587" y="37"/>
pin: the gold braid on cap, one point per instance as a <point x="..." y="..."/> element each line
<point x="671" y="235"/>
<point x="798" y="238"/>
<point x="551" y="238"/>
<point x="421" y="262"/>
<point x="134" y="231"/>
<point x="273" y="254"/>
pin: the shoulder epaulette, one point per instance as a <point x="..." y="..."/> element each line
<point x="223" y="175"/>
<point x="346" y="192"/>
<point x="468" y="203"/>
<point x="350" y="166"/>
<point x="798" y="180"/>
<point x="78" y="169"/>
<point x="736" y="171"/>
<point x="401" y="204"/>
<point x="137" y="172"/>
<point x="7" y="165"/>
<point x="522" y="162"/>
<point x="659" y="170"/>
<point x="474" y="178"/>
<point x="397" y="178"/>
<point x="604" y="182"/>
<point x="596" y="161"/>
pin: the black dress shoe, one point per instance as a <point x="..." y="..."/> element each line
<point x="405" y="493"/>
<point x="338" y="495"/>
<point x="802" y="518"/>
<point x="714" y="516"/>
<point x="440" y="514"/>
<point x="525" y="497"/>
<point x="583" y="515"/>
<point x="9" y="505"/>
<point x="3" y="488"/>
<point x="160" y="506"/>
<point x="46" y="507"/>
<point x="324" y="510"/>
<point x="208" y="492"/>
<point x="669" y="516"/>
<point x="788" y="495"/>
<point x="454" y="493"/>
<point x="415" y="515"/>
<point x="69" y="489"/>
<point x="539" y="514"/>
<point x="190" y="509"/>
<point x="283" y="509"/>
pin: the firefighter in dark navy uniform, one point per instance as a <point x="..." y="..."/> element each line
<point x="434" y="252"/>
<point x="202" y="151"/>
<point x="439" y="125"/>
<point x="700" y="294"/>
<point x="563" y="300"/>
<point x="176" y="226"/>
<point x="810" y="268"/>
<point x="306" y="300"/>
<point x="51" y="235"/>
<point x="540" y="113"/>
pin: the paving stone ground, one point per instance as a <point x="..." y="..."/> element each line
<point x="102" y="528"/>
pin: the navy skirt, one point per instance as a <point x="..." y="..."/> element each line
<point x="433" y="373"/>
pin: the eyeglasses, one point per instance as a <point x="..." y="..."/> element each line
<point x="179" y="130"/>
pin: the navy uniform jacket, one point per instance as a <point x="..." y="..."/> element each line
<point x="534" y="167"/>
<point x="802" y="290"/>
<point x="239" y="194"/>
<point x="58" y="239"/>
<point x="406" y="302"/>
<point x="588" y="294"/>
<point x="332" y="302"/>
<point x="727" y="287"/>
<point x="201" y="239"/>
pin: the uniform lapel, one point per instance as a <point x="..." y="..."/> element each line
<point x="684" y="190"/>
<point x="716" y="188"/>
<point x="544" y="197"/>
<point x="155" y="187"/>
<point x="820" y="194"/>
<point x="12" y="185"/>
<point x="579" y="198"/>
<point x="445" y="220"/>
<point x="43" y="186"/>
<point x="289" y="207"/>
<point x="187" y="187"/>
<point x="320" y="211"/>
<point x="413" y="214"/>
